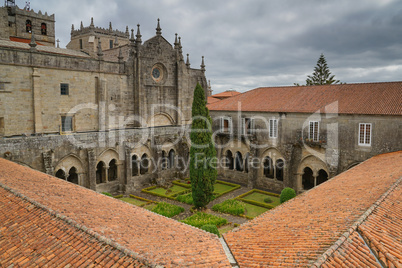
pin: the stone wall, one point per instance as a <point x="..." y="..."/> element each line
<point x="336" y="150"/>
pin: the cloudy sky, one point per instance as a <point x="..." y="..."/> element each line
<point x="254" y="43"/>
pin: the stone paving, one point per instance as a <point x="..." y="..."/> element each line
<point x="187" y="212"/>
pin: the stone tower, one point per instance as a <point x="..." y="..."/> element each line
<point x="86" y="39"/>
<point x="18" y="24"/>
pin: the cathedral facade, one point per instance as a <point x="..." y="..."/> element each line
<point x="103" y="113"/>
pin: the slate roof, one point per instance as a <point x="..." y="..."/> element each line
<point x="367" y="98"/>
<point x="324" y="226"/>
<point x="151" y="237"/>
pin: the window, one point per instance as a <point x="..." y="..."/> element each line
<point x="64" y="89"/>
<point x="28" y="26"/>
<point x="273" y="128"/>
<point x="66" y="123"/>
<point x="226" y="125"/>
<point x="313" y="131"/>
<point x="110" y="43"/>
<point x="80" y="43"/>
<point x="1" y="126"/>
<point x="365" y="134"/>
<point x="43" y="29"/>
<point x="247" y="126"/>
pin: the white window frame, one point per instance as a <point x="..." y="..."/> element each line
<point x="230" y="125"/>
<point x="365" y="133"/>
<point x="312" y="135"/>
<point x="273" y="128"/>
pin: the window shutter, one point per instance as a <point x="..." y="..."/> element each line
<point x="243" y="126"/>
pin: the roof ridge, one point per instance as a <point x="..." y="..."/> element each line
<point x="344" y="237"/>
<point x="100" y="238"/>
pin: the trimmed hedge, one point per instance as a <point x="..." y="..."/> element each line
<point x="172" y="197"/>
<point x="118" y="196"/>
<point x="143" y="199"/>
<point x="177" y="182"/>
<point x="287" y="194"/>
<point x="108" y="194"/>
<point x="167" y="210"/>
<point x="252" y="202"/>
<point x="230" y="206"/>
<point x="200" y="219"/>
<point x="211" y="228"/>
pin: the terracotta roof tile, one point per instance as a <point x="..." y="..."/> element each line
<point x="368" y="98"/>
<point x="212" y="100"/>
<point x="31" y="236"/>
<point x="155" y="238"/>
<point x="23" y="40"/>
<point x="300" y="231"/>
<point x="226" y="94"/>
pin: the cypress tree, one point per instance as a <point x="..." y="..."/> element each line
<point x="321" y="74"/>
<point x="202" y="152"/>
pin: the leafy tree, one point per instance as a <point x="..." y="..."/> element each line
<point x="321" y="74"/>
<point x="202" y="152"/>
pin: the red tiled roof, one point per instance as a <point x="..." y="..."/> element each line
<point x="382" y="230"/>
<point x="226" y="94"/>
<point x="212" y="100"/>
<point x="23" y="40"/>
<point x="369" y="98"/>
<point x="300" y="231"/>
<point x="153" y="237"/>
<point x="33" y="237"/>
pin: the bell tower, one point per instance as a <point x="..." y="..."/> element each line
<point x="18" y="24"/>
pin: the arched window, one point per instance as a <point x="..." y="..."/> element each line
<point x="307" y="179"/>
<point x="171" y="159"/>
<point x="43" y="29"/>
<point x="144" y="164"/>
<point x="72" y="175"/>
<point x="134" y="165"/>
<point x="322" y="176"/>
<point x="246" y="162"/>
<point x="239" y="162"/>
<point x="279" y="169"/>
<point x="61" y="174"/>
<point x="112" y="172"/>
<point x="28" y="26"/>
<point x="100" y="173"/>
<point x="268" y="167"/>
<point x="229" y="160"/>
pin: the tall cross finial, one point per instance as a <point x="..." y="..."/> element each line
<point x="27" y="5"/>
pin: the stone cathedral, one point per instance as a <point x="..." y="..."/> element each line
<point x="93" y="112"/>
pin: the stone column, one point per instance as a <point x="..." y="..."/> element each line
<point x="91" y="170"/>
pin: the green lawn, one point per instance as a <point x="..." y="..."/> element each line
<point x="225" y="229"/>
<point x="259" y="197"/>
<point x="150" y="206"/>
<point x="168" y="192"/>
<point x="200" y="218"/>
<point x="221" y="188"/>
<point x="133" y="201"/>
<point x="253" y="211"/>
